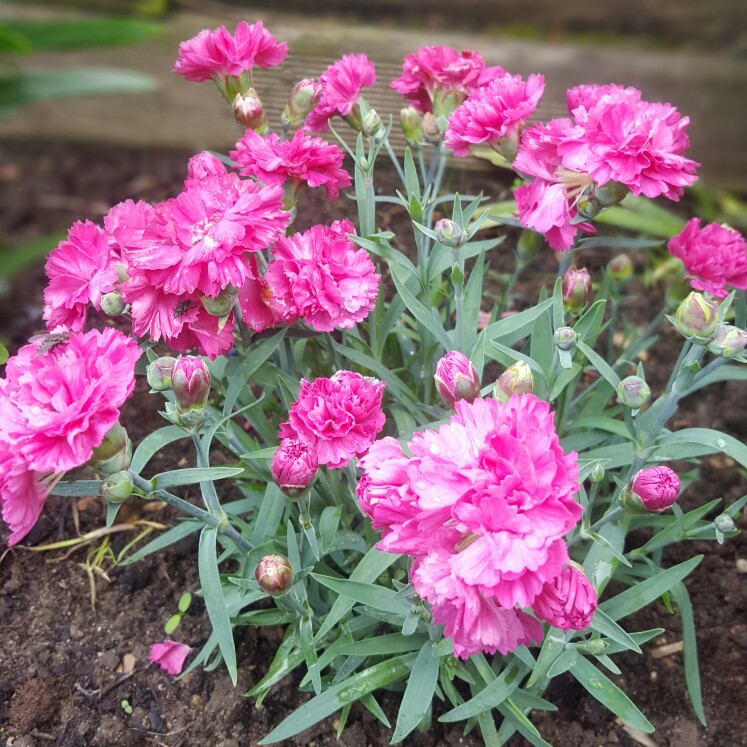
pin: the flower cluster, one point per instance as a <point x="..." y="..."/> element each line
<point x="482" y="506"/>
<point x="58" y="399"/>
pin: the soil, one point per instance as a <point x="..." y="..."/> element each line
<point x="75" y="675"/>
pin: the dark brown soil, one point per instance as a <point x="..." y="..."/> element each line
<point x="65" y="667"/>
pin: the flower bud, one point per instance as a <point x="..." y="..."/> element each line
<point x="274" y="575"/>
<point x="114" y="453"/>
<point x="727" y="341"/>
<point x="620" y="267"/>
<point x="594" y="646"/>
<point x="597" y="473"/>
<point x="112" y="303"/>
<point x="588" y="206"/>
<point x="248" y="111"/>
<point x="724" y="524"/>
<point x="117" y="487"/>
<point x="450" y="233"/>
<point x="516" y="379"/>
<point x="190" y="382"/>
<point x="412" y="125"/>
<point x="294" y="467"/>
<point x="219" y="306"/>
<point x="653" y="489"/>
<point x="576" y="289"/>
<point x="610" y="194"/>
<point x="431" y="130"/>
<point x="697" y="316"/>
<point x="633" y="392"/>
<point x="371" y="123"/>
<point x="530" y="242"/>
<point x="565" y="338"/>
<point x="456" y="378"/>
<point x="303" y="98"/>
<point x="568" y="601"/>
<point x="159" y="372"/>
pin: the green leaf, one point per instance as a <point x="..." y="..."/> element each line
<point x="599" y="686"/>
<point x="642" y="216"/>
<point x="421" y="685"/>
<point x="617" y="242"/>
<point x="412" y="183"/>
<point x="383" y="645"/>
<point x="77" y="488"/>
<point x="153" y="443"/>
<point x="15" y="260"/>
<point x="493" y="694"/>
<point x="112" y="509"/>
<point x="600" y="364"/>
<point x="172" y="624"/>
<point x="516" y="326"/>
<point x="83" y="33"/>
<point x="207" y="564"/>
<point x="328" y="523"/>
<point x="605" y="625"/>
<point x="639" y="638"/>
<point x="645" y="592"/>
<point x="168" y="538"/>
<point x="269" y="515"/>
<point x="701" y="441"/>
<point x="374" y="596"/>
<point x="333" y="699"/>
<point x="3" y="354"/>
<point x="193" y="475"/>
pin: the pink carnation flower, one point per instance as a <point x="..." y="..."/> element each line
<point x="22" y="493"/>
<point x="169" y="655"/>
<point x="341" y="85"/>
<point x="321" y="277"/>
<point x="714" y="256"/>
<point x="433" y="74"/>
<point x="80" y="271"/>
<point x="495" y="112"/>
<point x="338" y="417"/>
<point x="126" y="223"/>
<point x="655" y="488"/>
<point x="568" y="601"/>
<point x="56" y="405"/>
<point x="301" y="160"/>
<point x="587" y="95"/>
<point x="217" y="54"/>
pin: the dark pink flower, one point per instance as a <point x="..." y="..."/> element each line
<point x="80" y="271"/>
<point x="22" y="493"/>
<point x="190" y="382"/>
<point x="126" y="223"/>
<point x="652" y="489"/>
<point x="56" y="405"/>
<point x="456" y="378"/>
<point x="568" y="601"/>
<point x="217" y="54"/>
<point x="714" y="256"/>
<point x="587" y="95"/>
<point x="302" y="159"/>
<point x="321" y="277"/>
<point x="170" y="656"/>
<point x="493" y="113"/>
<point x="294" y="467"/>
<point x="341" y="85"/>
<point x="337" y="417"/>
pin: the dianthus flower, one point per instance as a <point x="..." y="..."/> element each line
<point x="714" y="256"/>
<point x="568" y="601"/>
<point x="338" y="418"/>
<point x="218" y="54"/>
<point x="437" y="74"/>
<point x="493" y="113"/>
<point x="22" y="493"/>
<point x="482" y="505"/>
<point x="80" y="271"/>
<point x="302" y="159"/>
<point x="586" y="95"/>
<point x="321" y="277"/>
<point x="58" y="402"/>
<point x="341" y="85"/>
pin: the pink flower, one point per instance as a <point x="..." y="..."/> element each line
<point x="714" y="256"/>
<point x="56" y="405"/>
<point x="456" y="378"/>
<point x="652" y="489"/>
<point x="587" y="95"/>
<point x="217" y="54"/>
<point x="493" y="113"/>
<point x="80" y="271"/>
<point x="434" y="74"/>
<point x="254" y="299"/>
<point x="341" y="85"/>
<point x="301" y="160"/>
<point x="126" y="223"/>
<point x="22" y="493"/>
<point x="321" y="277"/>
<point x="190" y="382"/>
<point x="294" y="467"/>
<point x="203" y="165"/>
<point x="568" y="601"/>
<point x="169" y="655"/>
<point x="338" y="417"/>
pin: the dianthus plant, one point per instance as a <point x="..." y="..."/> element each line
<point x="436" y="490"/>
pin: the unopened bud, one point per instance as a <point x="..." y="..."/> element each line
<point x="697" y="316"/>
<point x="117" y="487"/>
<point x="294" y="468"/>
<point x="274" y="575"/>
<point x="516" y="379"/>
<point x="159" y="372"/>
<point x="219" y="306"/>
<point x="576" y="289"/>
<point x="727" y="341"/>
<point x="431" y="130"/>
<point x="724" y="524"/>
<point x="372" y="123"/>
<point x="633" y="392"/>
<point x="456" y="379"/>
<point x="248" y="111"/>
<point x="303" y="98"/>
<point x="112" y="303"/>
<point x="653" y="489"/>
<point x="530" y="242"/>
<point x="508" y="147"/>
<point x="620" y="267"/>
<point x="610" y="194"/>
<point x="565" y="338"/>
<point x="594" y="646"/>
<point x="412" y="125"/>
<point x="450" y="233"/>
<point x="114" y="453"/>
<point x="588" y="206"/>
<point x="190" y="382"/>
<point x="597" y="473"/>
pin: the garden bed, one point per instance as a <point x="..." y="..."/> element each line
<point x="59" y="659"/>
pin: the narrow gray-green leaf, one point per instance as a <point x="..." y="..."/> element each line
<point x="421" y="685"/>
<point x="374" y="596"/>
<point x="153" y="443"/>
<point x="193" y="475"/>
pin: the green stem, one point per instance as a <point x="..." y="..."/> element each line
<point x="395" y="160"/>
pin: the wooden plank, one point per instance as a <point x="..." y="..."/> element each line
<point x="184" y="115"/>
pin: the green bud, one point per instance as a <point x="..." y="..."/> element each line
<point x="372" y="123"/>
<point x="633" y="392"/>
<point x="530" y="242"/>
<point x="610" y="194"/>
<point x="221" y="305"/>
<point x="620" y="267"/>
<point x="597" y="473"/>
<point x="588" y="206"/>
<point x="727" y="341"/>
<point x="431" y="130"/>
<point x="411" y="121"/>
<point x="112" y="303"/>
<point x="576" y="289"/>
<point x="565" y="338"/>
<point x="249" y="112"/>
<point x="516" y="379"/>
<point x="303" y="98"/>
<point x="724" y="524"/>
<point x="158" y="373"/>
<point x="117" y="487"/>
<point x="697" y="316"/>
<point x="450" y="233"/>
<point x="114" y="453"/>
<point x="594" y="647"/>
